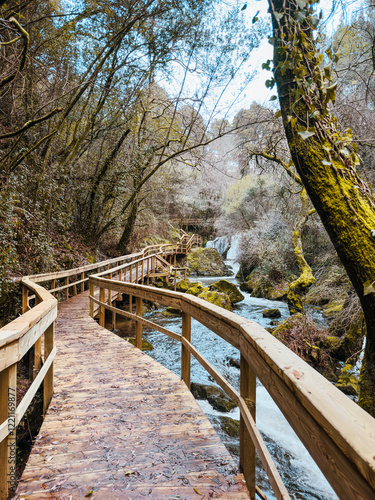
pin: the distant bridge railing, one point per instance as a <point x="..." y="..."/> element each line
<point x="338" y="434"/>
<point x="23" y="338"/>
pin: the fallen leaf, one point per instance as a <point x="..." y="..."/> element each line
<point x="89" y="493"/>
<point x="197" y="492"/>
<point x="129" y="472"/>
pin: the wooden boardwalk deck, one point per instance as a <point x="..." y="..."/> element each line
<point x="121" y="426"/>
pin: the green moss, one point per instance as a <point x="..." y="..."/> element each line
<point x="146" y="346"/>
<point x="217" y="298"/>
<point x="219" y="400"/>
<point x="230" y="426"/>
<point x="195" y="288"/>
<point x="207" y="262"/>
<point x="171" y="312"/>
<point x="182" y="286"/>
<point x="229" y="289"/>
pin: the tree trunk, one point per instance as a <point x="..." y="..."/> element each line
<point x="128" y="229"/>
<point x="326" y="162"/>
<point x="306" y="278"/>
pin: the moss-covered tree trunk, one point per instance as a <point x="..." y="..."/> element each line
<point x="306" y="278"/>
<point x="325" y="160"/>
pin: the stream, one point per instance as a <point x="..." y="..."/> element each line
<point x="302" y="477"/>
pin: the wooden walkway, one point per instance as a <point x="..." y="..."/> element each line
<point x="121" y="426"/>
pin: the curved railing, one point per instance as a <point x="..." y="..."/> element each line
<point x="25" y="336"/>
<point x="338" y="434"/>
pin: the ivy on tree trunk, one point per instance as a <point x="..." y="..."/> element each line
<point x="325" y="158"/>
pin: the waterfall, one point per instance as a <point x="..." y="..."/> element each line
<point x="221" y="243"/>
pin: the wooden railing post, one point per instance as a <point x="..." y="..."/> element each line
<point x="49" y="342"/>
<point x="136" y="272"/>
<point x="130" y="273"/>
<point x="185" y="354"/>
<point x="83" y="283"/>
<point x="35" y="354"/>
<point x="175" y="279"/>
<point x="109" y="292"/>
<point x="101" y="308"/>
<point x="25" y="298"/>
<point x="247" y="448"/>
<point x="91" y="301"/>
<point x="53" y="285"/>
<point x="8" y="396"/>
<point x="67" y="289"/>
<point x="138" y="330"/>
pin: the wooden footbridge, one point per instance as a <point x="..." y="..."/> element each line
<point x="119" y="425"/>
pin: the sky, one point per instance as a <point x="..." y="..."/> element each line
<point x="256" y="89"/>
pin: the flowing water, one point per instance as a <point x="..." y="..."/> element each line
<point x="299" y="472"/>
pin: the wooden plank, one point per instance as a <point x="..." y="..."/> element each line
<point x="185" y="354"/>
<point x="49" y="345"/>
<point x="66" y="287"/>
<point x="8" y="393"/>
<point x="122" y="425"/>
<point x="26" y="400"/>
<point x="102" y="307"/>
<point x="144" y="321"/>
<point x="247" y="448"/>
<point x="337" y="466"/>
<point x="138" y="326"/>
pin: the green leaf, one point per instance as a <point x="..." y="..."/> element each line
<point x="266" y="65"/>
<point x="278" y="16"/>
<point x="270" y="83"/>
<point x="255" y="18"/>
<point x="272" y="40"/>
<point x="273" y="98"/>
<point x="278" y="114"/>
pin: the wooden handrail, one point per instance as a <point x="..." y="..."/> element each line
<point x="16" y="340"/>
<point x="24" y="336"/>
<point x="338" y="434"/>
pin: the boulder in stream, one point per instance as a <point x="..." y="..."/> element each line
<point x="171" y="312"/>
<point x="217" y="298"/>
<point x="230" y="426"/>
<point x="228" y="288"/>
<point x="207" y="262"/>
<point x="271" y="313"/>
<point x="215" y="396"/>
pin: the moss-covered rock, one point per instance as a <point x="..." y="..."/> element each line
<point x="278" y="291"/>
<point x="171" y="312"/>
<point x="215" y="396"/>
<point x="230" y="426"/>
<point x="207" y="262"/>
<point x="229" y="289"/>
<point x="246" y="287"/>
<point x="217" y="298"/>
<point x="195" y="288"/>
<point x="146" y="346"/>
<point x="182" y="286"/>
<point x="271" y="313"/>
